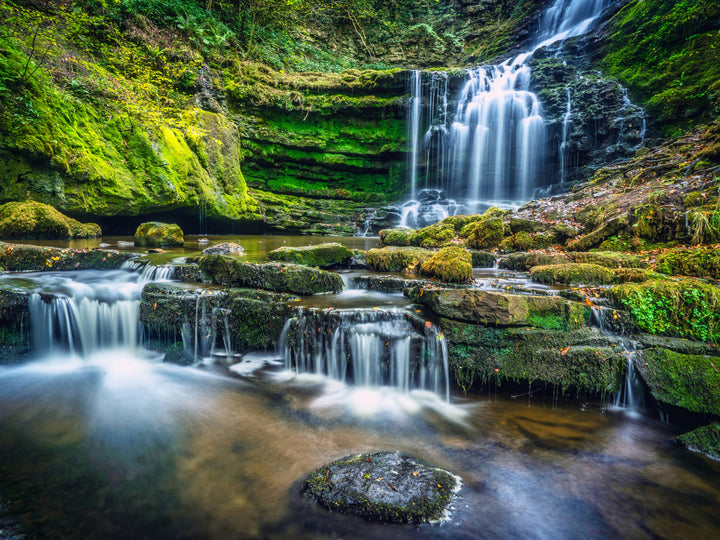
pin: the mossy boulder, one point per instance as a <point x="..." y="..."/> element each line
<point x="579" y="273"/>
<point x="34" y="220"/>
<point x="525" y="261"/>
<point x="598" y="235"/>
<point x="484" y="234"/>
<point x="432" y="236"/>
<point x="700" y="262"/>
<point x="582" y="360"/>
<point x="156" y="234"/>
<point x="492" y="308"/>
<point x="321" y="255"/>
<point x="705" y="439"/>
<point x="452" y="264"/>
<point x="482" y="259"/>
<point x="384" y="486"/>
<point x="399" y="236"/>
<point x="256" y="317"/>
<point x="683" y="308"/>
<point x="225" y="248"/>
<point x="14" y="323"/>
<point x="689" y="381"/>
<point x="386" y="284"/>
<point x="277" y="277"/>
<point x="25" y="258"/>
<point x="397" y="259"/>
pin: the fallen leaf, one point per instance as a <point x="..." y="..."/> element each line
<point x="564" y="351"/>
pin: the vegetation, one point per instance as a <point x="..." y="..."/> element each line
<point x="40" y="221"/>
<point x="396" y="259"/>
<point x="452" y="264"/>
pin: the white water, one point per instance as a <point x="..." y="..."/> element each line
<point x="564" y="152"/>
<point x="491" y="152"/>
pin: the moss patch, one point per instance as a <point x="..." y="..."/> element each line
<point x="700" y="262"/>
<point x="451" y="264"/>
<point x="705" y="439"/>
<point x="397" y="259"/>
<point x="399" y="236"/>
<point x="579" y="273"/>
<point x="40" y="221"/>
<point x="322" y="255"/>
<point x="156" y="234"/>
<point x="21" y="258"/>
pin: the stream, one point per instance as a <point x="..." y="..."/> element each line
<point x="101" y="439"/>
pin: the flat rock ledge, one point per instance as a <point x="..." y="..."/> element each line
<point x="384" y="486"/>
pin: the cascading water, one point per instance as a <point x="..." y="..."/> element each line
<point x="564" y="151"/>
<point x="368" y="348"/>
<point x="492" y="150"/>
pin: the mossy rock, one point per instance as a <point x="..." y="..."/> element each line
<point x="384" y="486"/>
<point x="399" y="236"/>
<point x="525" y="225"/>
<point x="452" y="264"/>
<point x="610" y="259"/>
<point x="256" y="317"/>
<point x="34" y="220"/>
<point x="683" y="308"/>
<point x="705" y="439"/>
<point x="397" y="259"/>
<point x="484" y="234"/>
<point x="482" y="259"/>
<point x="491" y="308"/>
<point x="277" y="277"/>
<point x="460" y="221"/>
<point x="25" y="258"/>
<point x="386" y="284"/>
<point x="689" y="381"/>
<point x="156" y="234"/>
<point x="432" y="236"/>
<point x="578" y="273"/>
<point x="597" y="236"/>
<point x="525" y="261"/>
<point x="700" y="262"/>
<point x="321" y="255"/>
<point x="635" y="275"/>
<point x="581" y="360"/>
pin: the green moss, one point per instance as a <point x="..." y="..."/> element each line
<point x="432" y="236"/>
<point x="578" y="273"/>
<point x="397" y="259"/>
<point x="41" y="221"/>
<point x="484" y="234"/>
<point x="705" y="439"/>
<point x="700" y="262"/>
<point x="322" y="255"/>
<point x="154" y="233"/>
<point x="685" y="308"/>
<point x="482" y="259"/>
<point x="525" y="261"/>
<point x="452" y="264"/>
<point x="396" y="237"/>
<point x="21" y="258"/>
<point x="608" y="259"/>
<point x="682" y="380"/>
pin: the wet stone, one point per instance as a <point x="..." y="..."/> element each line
<point x="384" y="486"/>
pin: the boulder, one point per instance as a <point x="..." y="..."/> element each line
<point x="452" y="264"/>
<point x="156" y="234"/>
<point x="386" y="284"/>
<point x="36" y="220"/>
<point x="482" y="259"/>
<point x="578" y="273"/>
<point x="705" y="439"/>
<point x="399" y="236"/>
<point x="277" y="277"/>
<point x="226" y="248"/>
<point x="322" y="255"/>
<point x="24" y="258"/>
<point x="525" y="261"/>
<point x="397" y="259"/>
<point x="384" y="486"/>
<point x="502" y="309"/>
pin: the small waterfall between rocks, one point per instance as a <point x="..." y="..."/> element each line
<point x="367" y="348"/>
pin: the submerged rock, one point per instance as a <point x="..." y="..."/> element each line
<point x="322" y="255"/>
<point x="226" y="248"/>
<point x="32" y="219"/>
<point x="384" y="486"/>
<point x="156" y="234"/>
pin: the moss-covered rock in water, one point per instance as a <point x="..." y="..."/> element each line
<point x="24" y="258"/>
<point x="700" y="262"/>
<point x="385" y="486"/>
<point x="482" y="259"/>
<point x="580" y="273"/>
<point x="501" y="309"/>
<point x="452" y="264"/>
<point x="682" y="380"/>
<point x="40" y="221"/>
<point x="278" y="277"/>
<point x="14" y="324"/>
<point x="525" y="261"/>
<point x="683" y="308"/>
<point x="386" y="284"/>
<point x="484" y="234"/>
<point x="432" y="236"/>
<point x="322" y="255"/>
<point x="581" y="359"/>
<point x="705" y="439"/>
<point x="397" y="259"/>
<point x="225" y="248"/>
<point x="399" y="236"/>
<point x="256" y="317"/>
<point x="156" y="234"/>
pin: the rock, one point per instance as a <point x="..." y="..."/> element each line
<point x="385" y="486"/>
<point x="278" y="277"/>
<point x="14" y="322"/>
<point x="596" y="237"/>
<point x="503" y="309"/>
<point x="257" y="318"/>
<point x="41" y="221"/>
<point x="482" y="259"/>
<point x="580" y="273"/>
<point x="226" y="248"/>
<point x="176" y="354"/>
<point x="22" y="258"/>
<point x="699" y="261"/>
<point x="435" y="235"/>
<point x="397" y="259"/>
<point x="485" y="234"/>
<point x="705" y="439"/>
<point x="156" y="234"/>
<point x="525" y="261"/>
<point x="190" y="273"/>
<point x="452" y="264"/>
<point x="386" y="284"/>
<point x="322" y="255"/>
<point x="689" y="381"/>
<point x="399" y="236"/>
<point x="610" y="259"/>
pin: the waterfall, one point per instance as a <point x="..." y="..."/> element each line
<point x="564" y="143"/>
<point x="368" y="348"/>
<point x="491" y="151"/>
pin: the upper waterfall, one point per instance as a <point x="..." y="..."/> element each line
<point x="490" y="148"/>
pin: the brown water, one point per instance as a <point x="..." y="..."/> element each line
<point x="118" y="446"/>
